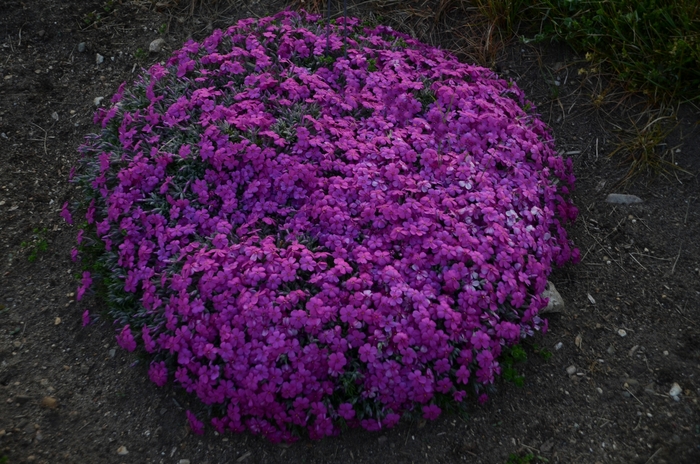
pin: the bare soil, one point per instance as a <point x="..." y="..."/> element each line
<point x="68" y="394"/>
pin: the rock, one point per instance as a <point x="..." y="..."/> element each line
<point x="98" y="100"/>
<point x="81" y="47"/>
<point x="184" y="461"/>
<point x="547" y="446"/>
<point x="57" y="321"/>
<point x="675" y="391"/>
<point x="633" y="350"/>
<point x="632" y="385"/>
<point x="622" y="199"/>
<point x="558" y="346"/>
<point x="571" y="370"/>
<point x="54" y="116"/>
<point x="650" y="389"/>
<point x="49" y="402"/>
<point x="122" y="451"/>
<point x="622" y="332"/>
<point x="556" y="302"/>
<point x="156" y="46"/>
<point x="99" y="59"/>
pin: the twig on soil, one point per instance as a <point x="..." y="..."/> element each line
<point x="653" y="257"/>
<point x="685" y="220"/>
<point x="45" y="136"/>
<point x="645" y="224"/>
<point x="22" y="336"/>
<point x="635" y="260"/>
<point x="653" y="455"/>
<point x="633" y="396"/>
<point x="676" y="261"/>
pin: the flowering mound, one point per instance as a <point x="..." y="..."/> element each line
<point x="311" y="236"/>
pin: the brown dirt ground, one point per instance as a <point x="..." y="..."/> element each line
<point x="639" y="273"/>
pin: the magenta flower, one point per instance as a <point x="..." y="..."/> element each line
<point x="158" y="373"/>
<point x="86" y="318"/>
<point x="431" y="412"/>
<point x="125" y="339"/>
<point x="196" y="426"/>
<point x="86" y="283"/>
<point x="65" y="214"/>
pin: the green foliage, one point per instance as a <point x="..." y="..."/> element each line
<point x="509" y="358"/>
<point x="38" y="244"/>
<point x="652" y="46"/>
<point x="371" y="65"/>
<point x="529" y="458"/>
<point x="140" y="54"/>
<point x="95" y="17"/>
<point x="544" y="353"/>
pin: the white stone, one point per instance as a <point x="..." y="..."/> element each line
<point x="156" y="46"/>
<point x="675" y="390"/>
<point x="556" y="302"/>
<point x="622" y="199"/>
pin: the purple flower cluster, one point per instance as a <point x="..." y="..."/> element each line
<point x="306" y="236"/>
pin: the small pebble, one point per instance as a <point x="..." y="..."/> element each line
<point x="122" y="451"/>
<point x="99" y="59"/>
<point x="156" y="46"/>
<point x="558" y="346"/>
<point x="675" y="390"/>
<point x="54" y="116"/>
<point x="49" y="402"/>
<point x="98" y="100"/>
<point x="650" y="389"/>
<point x="57" y="321"/>
<point x="622" y="332"/>
<point x="184" y="461"/>
<point x="81" y="47"/>
<point x="621" y="199"/>
<point x="599" y="390"/>
<point x="571" y="370"/>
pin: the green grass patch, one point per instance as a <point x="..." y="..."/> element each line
<point x="37" y="245"/>
<point x="651" y="46"/>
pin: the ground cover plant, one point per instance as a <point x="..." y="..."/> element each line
<point x="311" y="227"/>
<point x="651" y="46"/>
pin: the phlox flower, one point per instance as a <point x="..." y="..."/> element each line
<point x="86" y="318"/>
<point x="431" y="412"/>
<point x="158" y="373"/>
<point x="66" y="214"/>
<point x="196" y="426"/>
<point x="125" y="339"/>
<point x="314" y="237"/>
